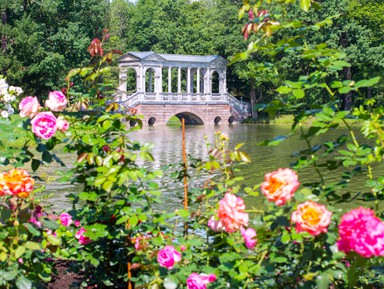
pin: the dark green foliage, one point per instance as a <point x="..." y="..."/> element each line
<point x="41" y="40"/>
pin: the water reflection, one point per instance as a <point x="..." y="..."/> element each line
<point x="167" y="150"/>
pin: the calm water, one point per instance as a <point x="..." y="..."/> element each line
<point x="167" y="150"/>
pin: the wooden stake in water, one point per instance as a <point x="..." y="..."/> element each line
<point x="129" y="276"/>
<point x="183" y="148"/>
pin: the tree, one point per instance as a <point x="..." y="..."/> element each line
<point x="42" y="40"/>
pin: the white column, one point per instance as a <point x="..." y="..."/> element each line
<point x="122" y="83"/>
<point x="188" y="80"/>
<point x="207" y="81"/>
<point x="198" y="80"/>
<point x="142" y="78"/>
<point x="179" y="80"/>
<point x="222" y="81"/>
<point x="169" y="79"/>
<point x="159" y="87"/>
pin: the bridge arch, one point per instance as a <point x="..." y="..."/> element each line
<point x="189" y="118"/>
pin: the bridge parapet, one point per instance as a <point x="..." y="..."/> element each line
<point x="171" y="98"/>
<point x="238" y="109"/>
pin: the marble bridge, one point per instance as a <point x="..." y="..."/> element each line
<point x="192" y="87"/>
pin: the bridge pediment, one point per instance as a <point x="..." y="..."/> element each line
<point x="220" y="61"/>
<point x="141" y="56"/>
<point x="155" y="57"/>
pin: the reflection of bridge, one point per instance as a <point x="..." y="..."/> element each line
<point x="160" y="86"/>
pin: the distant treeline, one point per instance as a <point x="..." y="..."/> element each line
<point x="42" y="40"/>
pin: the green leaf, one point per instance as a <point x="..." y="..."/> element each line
<point x="32" y="229"/>
<point x="47" y="157"/>
<point x="323" y="281"/>
<point x="305" y="4"/>
<point x="23" y="283"/>
<point x="344" y="89"/>
<point x="183" y="213"/>
<point x="107" y="124"/>
<point x="33" y="245"/>
<point x="19" y="251"/>
<point x="284" y="89"/>
<point x="35" y="164"/>
<point x="367" y="82"/>
<point x="96" y="231"/>
<point x="298" y="93"/>
<point x="274" y="141"/>
<point x="87" y="139"/>
<point x="133" y="221"/>
<point x="170" y="282"/>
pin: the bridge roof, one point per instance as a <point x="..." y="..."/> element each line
<point x="153" y="56"/>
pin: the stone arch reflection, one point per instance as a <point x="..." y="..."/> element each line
<point x="189" y="118"/>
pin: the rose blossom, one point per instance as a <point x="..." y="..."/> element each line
<point x="231" y="213"/>
<point x="56" y="101"/>
<point x="34" y="221"/>
<point x="215" y="225"/>
<point x="199" y="281"/>
<point x="141" y="242"/>
<point x="95" y="48"/>
<point x="83" y="240"/>
<point x="16" y="182"/>
<point x="168" y="256"/>
<point x="44" y="125"/>
<point x="29" y="106"/>
<point x="249" y="237"/>
<point x="311" y="217"/>
<point x="65" y="219"/>
<point x="279" y="186"/>
<point x="62" y="124"/>
<point x="361" y="231"/>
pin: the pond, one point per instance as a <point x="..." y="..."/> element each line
<point x="167" y="150"/>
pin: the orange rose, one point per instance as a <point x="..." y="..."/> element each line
<point x="280" y="186"/>
<point x="311" y="217"/>
<point x="16" y="182"/>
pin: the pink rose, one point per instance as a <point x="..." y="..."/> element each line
<point x="231" y="213"/>
<point x="29" y="106"/>
<point x="215" y="225"/>
<point x="44" y="125"/>
<point x="361" y="231"/>
<point x="62" y="124"/>
<point x="199" y="281"/>
<point x="279" y="186"/>
<point x="77" y="223"/>
<point x="249" y="237"/>
<point x="141" y="242"/>
<point x="65" y="219"/>
<point x="83" y="240"/>
<point x="56" y="101"/>
<point x="34" y="221"/>
<point x="168" y="256"/>
<point x="311" y="217"/>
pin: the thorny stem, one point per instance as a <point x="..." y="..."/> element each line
<point x="313" y="157"/>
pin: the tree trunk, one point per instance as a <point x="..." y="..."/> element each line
<point x="252" y="93"/>
<point x="347" y="98"/>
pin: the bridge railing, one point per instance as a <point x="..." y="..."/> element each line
<point x="168" y="97"/>
<point x="242" y="109"/>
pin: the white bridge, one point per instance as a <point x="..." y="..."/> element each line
<point x="164" y="85"/>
